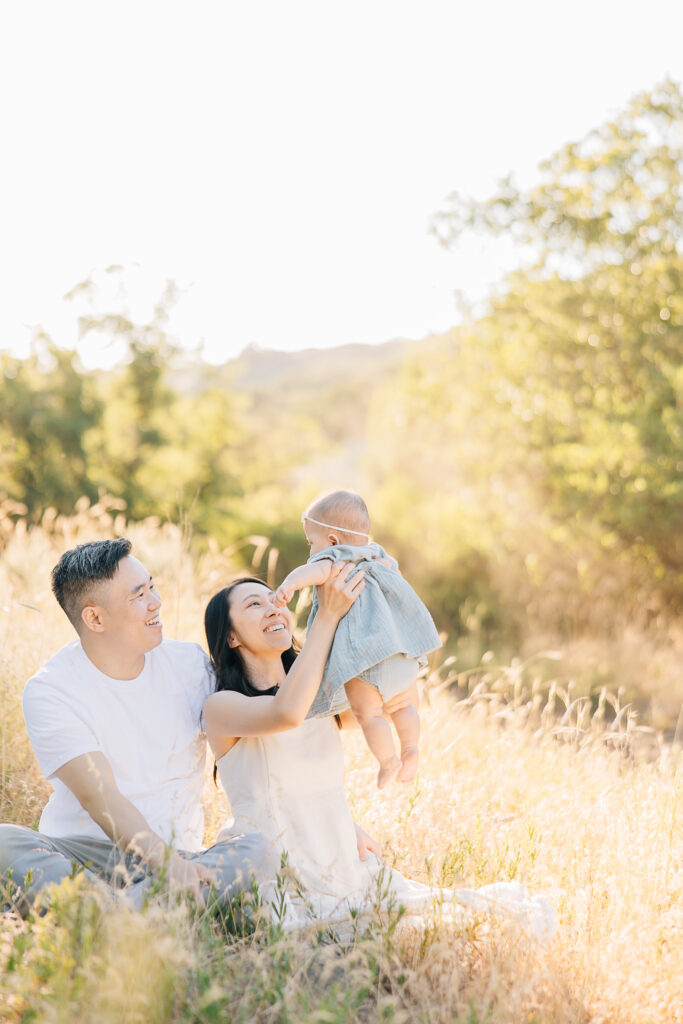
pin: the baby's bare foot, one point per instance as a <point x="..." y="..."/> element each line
<point x="388" y="772"/>
<point x="408" y="769"/>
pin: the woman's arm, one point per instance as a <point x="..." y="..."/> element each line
<point x="228" y="714"/>
<point x="366" y="844"/>
<point x="307" y="575"/>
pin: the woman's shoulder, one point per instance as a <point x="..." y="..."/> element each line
<point x="220" y="718"/>
<point x="220" y="700"/>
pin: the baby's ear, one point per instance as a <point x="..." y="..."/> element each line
<point x="333" y="538"/>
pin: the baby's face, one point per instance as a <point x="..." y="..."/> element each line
<point x="317" y="537"/>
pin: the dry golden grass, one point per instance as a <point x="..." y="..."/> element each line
<point x="510" y="787"/>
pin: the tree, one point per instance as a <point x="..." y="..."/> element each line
<point x="136" y="402"/>
<point x="48" y="404"/>
<point x="612" y="198"/>
<point x="583" y="349"/>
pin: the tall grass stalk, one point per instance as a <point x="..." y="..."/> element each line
<point x="520" y="778"/>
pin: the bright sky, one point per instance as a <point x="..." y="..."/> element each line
<point x="281" y="161"/>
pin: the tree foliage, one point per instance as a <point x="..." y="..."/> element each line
<point x="48" y="406"/>
<point x="525" y="466"/>
<point x="613" y="197"/>
<point x="580" y="359"/>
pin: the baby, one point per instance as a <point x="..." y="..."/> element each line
<point x="378" y="645"/>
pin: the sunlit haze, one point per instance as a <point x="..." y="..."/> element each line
<point x="281" y="161"/>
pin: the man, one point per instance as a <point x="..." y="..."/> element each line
<point x="114" y="720"/>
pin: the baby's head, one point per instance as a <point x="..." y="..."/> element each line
<point x="340" y="517"/>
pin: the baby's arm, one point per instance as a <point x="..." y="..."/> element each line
<point x="308" y="575"/>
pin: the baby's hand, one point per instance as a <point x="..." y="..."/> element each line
<point x="283" y="594"/>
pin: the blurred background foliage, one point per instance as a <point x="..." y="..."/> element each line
<point x="526" y="468"/>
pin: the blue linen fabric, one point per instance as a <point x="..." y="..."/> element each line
<point x="388" y="621"/>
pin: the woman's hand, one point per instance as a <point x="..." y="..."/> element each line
<point x="336" y="596"/>
<point x="366" y="844"/>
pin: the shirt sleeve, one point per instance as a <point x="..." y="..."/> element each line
<point x="354" y="553"/>
<point x="203" y="682"/>
<point x="207" y="682"/>
<point x="329" y="554"/>
<point x="56" y="732"/>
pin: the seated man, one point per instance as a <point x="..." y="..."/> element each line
<point x="114" y="720"/>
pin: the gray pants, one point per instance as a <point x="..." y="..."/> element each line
<point x="29" y="861"/>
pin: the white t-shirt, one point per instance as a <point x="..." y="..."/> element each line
<point x="148" y="728"/>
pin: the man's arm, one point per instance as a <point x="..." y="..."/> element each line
<point x="91" y="780"/>
<point x="309" y="575"/>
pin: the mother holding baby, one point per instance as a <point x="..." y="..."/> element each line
<point x="283" y="771"/>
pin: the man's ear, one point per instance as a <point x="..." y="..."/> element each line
<point x="91" y="616"/>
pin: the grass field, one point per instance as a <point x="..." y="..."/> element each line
<point x="571" y="798"/>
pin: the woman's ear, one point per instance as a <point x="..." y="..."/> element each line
<point x="233" y="641"/>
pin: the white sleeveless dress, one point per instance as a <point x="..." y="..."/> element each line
<point x="289" y="787"/>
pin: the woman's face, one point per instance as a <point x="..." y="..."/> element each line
<point x="257" y="625"/>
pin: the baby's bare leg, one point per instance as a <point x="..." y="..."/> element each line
<point x="402" y="710"/>
<point x="368" y="708"/>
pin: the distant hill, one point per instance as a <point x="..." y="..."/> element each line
<point x="300" y="378"/>
<point x="261" y="372"/>
<point x="257" y="370"/>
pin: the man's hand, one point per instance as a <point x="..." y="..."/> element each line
<point x="188" y="876"/>
<point x="366" y="844"/>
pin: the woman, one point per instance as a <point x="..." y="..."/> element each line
<point x="283" y="773"/>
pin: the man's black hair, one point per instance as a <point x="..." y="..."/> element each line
<point x="78" y="569"/>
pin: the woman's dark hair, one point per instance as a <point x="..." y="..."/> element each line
<point x="227" y="662"/>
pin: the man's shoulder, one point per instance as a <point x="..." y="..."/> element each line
<point x="61" y="666"/>
<point x="181" y="658"/>
<point x="61" y="680"/>
<point x="183" y="665"/>
<point x="182" y="652"/>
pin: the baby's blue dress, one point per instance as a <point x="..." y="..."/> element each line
<point x="387" y="625"/>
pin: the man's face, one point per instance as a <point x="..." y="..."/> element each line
<point x="129" y="607"/>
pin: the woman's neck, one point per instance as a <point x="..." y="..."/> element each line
<point x="263" y="673"/>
